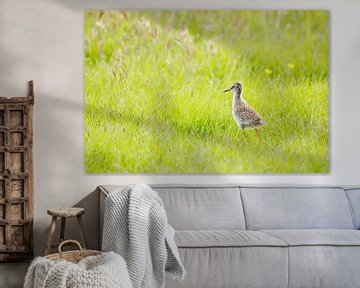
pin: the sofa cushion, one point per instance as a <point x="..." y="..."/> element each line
<point x="354" y="198"/>
<point x="225" y="238"/>
<point x="322" y="258"/>
<point x="324" y="266"/>
<point x="296" y="208"/>
<point x="191" y="208"/>
<point x="218" y="267"/>
<point x="317" y="237"/>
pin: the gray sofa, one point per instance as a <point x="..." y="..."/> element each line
<point x="248" y="236"/>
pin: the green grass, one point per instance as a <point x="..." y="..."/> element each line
<point x="154" y="82"/>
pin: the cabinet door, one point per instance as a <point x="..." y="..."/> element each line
<point x="15" y="188"/>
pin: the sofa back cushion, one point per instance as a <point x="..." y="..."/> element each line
<point x="202" y="207"/>
<point x="296" y="208"/>
<point x="354" y="198"/>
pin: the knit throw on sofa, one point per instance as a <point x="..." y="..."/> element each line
<point x="136" y="227"/>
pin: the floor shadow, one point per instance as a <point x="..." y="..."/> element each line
<point x="12" y="274"/>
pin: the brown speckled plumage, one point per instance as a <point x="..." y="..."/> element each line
<point x="245" y="116"/>
<point x="249" y="117"/>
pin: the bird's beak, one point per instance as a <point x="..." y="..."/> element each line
<point x="227" y="90"/>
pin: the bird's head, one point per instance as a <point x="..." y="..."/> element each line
<point x="236" y="87"/>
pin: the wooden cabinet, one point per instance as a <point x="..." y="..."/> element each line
<point x="16" y="177"/>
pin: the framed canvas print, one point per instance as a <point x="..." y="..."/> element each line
<point x="220" y="91"/>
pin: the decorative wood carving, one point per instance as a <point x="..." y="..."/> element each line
<point x="16" y="177"/>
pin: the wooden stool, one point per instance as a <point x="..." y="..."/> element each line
<point x="64" y="213"/>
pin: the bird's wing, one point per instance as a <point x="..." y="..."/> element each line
<point x="248" y="113"/>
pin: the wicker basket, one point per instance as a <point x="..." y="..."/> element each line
<point x="72" y="256"/>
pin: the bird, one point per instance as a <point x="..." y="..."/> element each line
<point x="245" y="116"/>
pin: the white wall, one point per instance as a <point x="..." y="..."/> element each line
<point x="43" y="40"/>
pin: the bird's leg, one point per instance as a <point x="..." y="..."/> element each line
<point x="257" y="132"/>
<point x="244" y="132"/>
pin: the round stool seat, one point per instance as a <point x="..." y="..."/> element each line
<point x="66" y="211"/>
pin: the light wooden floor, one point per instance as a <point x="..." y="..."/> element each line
<point x="12" y="274"/>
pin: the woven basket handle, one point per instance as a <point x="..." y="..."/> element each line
<point x="69" y="241"/>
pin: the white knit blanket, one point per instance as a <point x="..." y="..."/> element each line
<point x="136" y="227"/>
<point x="103" y="271"/>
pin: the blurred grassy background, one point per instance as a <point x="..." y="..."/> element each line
<point x="154" y="82"/>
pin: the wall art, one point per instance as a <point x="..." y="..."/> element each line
<point x="220" y="91"/>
